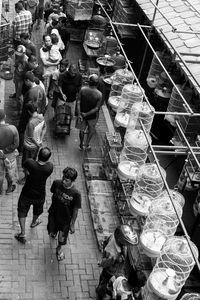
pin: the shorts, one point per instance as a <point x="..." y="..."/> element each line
<point x="87" y="124"/>
<point x="24" y="204"/>
<point x="54" y="227"/>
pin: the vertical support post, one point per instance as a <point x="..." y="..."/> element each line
<point x="149" y="36"/>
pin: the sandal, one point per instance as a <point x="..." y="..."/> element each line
<point x="33" y="225"/>
<point x="60" y="255"/>
<point x="87" y="148"/>
<point x="21" y="238"/>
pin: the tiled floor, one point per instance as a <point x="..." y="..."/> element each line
<point x="32" y="271"/>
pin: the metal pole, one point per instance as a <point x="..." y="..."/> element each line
<point x="131" y="25"/>
<point x="178" y="54"/>
<point x="149" y="36"/>
<point x="193" y="7"/>
<point x="170" y="196"/>
<point x="187" y="143"/>
<point x="174" y="147"/>
<point x="188" y="107"/>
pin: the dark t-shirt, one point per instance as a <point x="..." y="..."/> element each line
<point x="63" y="203"/>
<point x="30" y="49"/>
<point x="89" y="99"/>
<point x="35" y="185"/>
<point x="70" y="85"/>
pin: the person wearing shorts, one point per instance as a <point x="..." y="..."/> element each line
<point x="66" y="201"/>
<point x="34" y="190"/>
<point x="88" y="105"/>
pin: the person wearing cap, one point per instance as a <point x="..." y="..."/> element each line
<point x="30" y="47"/>
<point x="63" y="212"/>
<point x="88" y="105"/>
<point x="34" y="190"/>
<point x="21" y="23"/>
<point x="9" y="142"/>
<point x="21" y="67"/>
<point x="114" y="256"/>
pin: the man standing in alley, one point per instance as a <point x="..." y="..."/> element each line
<point x="88" y="105"/>
<point x="34" y="190"/>
<point x="9" y="142"/>
<point x="21" y="23"/>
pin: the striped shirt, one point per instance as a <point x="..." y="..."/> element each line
<point x="22" y="23"/>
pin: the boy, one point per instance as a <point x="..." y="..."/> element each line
<point x="66" y="201"/>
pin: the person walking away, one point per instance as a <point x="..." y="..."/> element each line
<point x="34" y="190"/>
<point x="21" y="67"/>
<point x="9" y="142"/>
<point x="21" y="23"/>
<point x="69" y="84"/>
<point x="35" y="95"/>
<point x="30" y="47"/>
<point x="39" y="13"/>
<point x="31" y="5"/>
<point x="48" y="67"/>
<point x="66" y="201"/>
<point x="88" y="105"/>
<point x="33" y="136"/>
<point x="64" y="32"/>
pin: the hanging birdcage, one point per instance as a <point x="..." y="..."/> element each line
<point x="139" y="204"/>
<point x="134" y="153"/>
<point x="131" y="93"/>
<point x="176" y="102"/>
<point x="172" y="267"/>
<point x="149" y="180"/>
<point x="120" y="78"/>
<point x="156" y="69"/>
<point x="141" y="112"/>
<point x="176" y="197"/>
<point x="191" y="296"/>
<point x="161" y="223"/>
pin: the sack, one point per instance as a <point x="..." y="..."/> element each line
<point x="80" y="124"/>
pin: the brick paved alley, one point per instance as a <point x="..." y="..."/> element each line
<point x="31" y="271"/>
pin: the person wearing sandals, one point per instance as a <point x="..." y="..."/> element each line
<point x="34" y="190"/>
<point x="88" y="105"/>
<point x="66" y="201"/>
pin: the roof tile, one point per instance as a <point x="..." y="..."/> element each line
<point x="191" y="43"/>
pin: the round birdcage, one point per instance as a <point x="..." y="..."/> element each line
<point x="149" y="180"/>
<point x="176" y="103"/>
<point x="134" y="151"/>
<point x="176" y="254"/>
<point x="120" y="78"/>
<point x="139" y="204"/>
<point x="131" y="93"/>
<point x="156" y="69"/>
<point x="141" y="112"/>
<point x="191" y="296"/>
<point x="176" y="197"/>
<point x="164" y="283"/>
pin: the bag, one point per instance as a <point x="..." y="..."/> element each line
<point x="80" y="124"/>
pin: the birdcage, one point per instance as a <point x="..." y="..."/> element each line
<point x="176" y="254"/>
<point x="156" y="69"/>
<point x="139" y="204"/>
<point x="176" y="197"/>
<point x="176" y="102"/>
<point x="120" y="78"/>
<point x="133" y="152"/>
<point x="149" y="180"/>
<point x="141" y="112"/>
<point x="80" y="10"/>
<point x="191" y="296"/>
<point x="131" y="93"/>
<point x="161" y="223"/>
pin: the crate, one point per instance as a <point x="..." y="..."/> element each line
<point x="81" y="10"/>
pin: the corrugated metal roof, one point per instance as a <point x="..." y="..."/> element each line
<point x="183" y="16"/>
